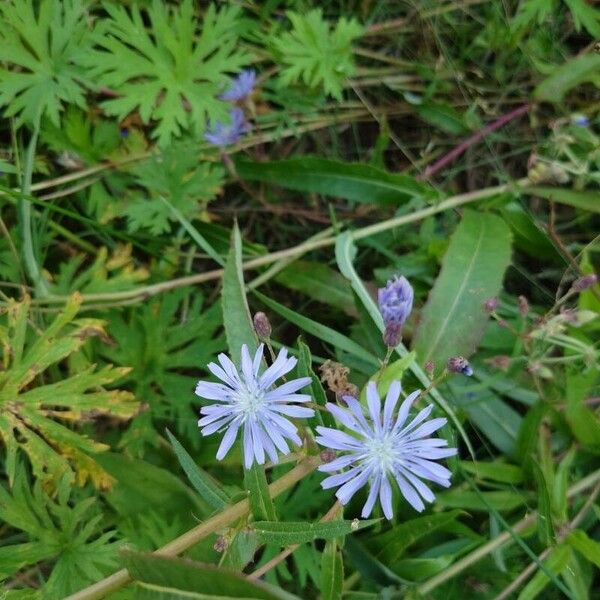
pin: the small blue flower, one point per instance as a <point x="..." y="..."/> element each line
<point x="396" y="301"/>
<point x="222" y="134"/>
<point x="580" y="120"/>
<point x="459" y="364"/>
<point x="240" y="87"/>
<point x="382" y="447"/>
<point x="248" y="401"/>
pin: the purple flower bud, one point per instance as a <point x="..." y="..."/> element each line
<point x="523" y="306"/>
<point x="580" y="120"/>
<point x="584" y="283"/>
<point x="262" y="326"/>
<point x="240" y="87"/>
<point x="490" y="305"/>
<point x="429" y="367"/>
<point x="392" y="334"/>
<point x="459" y="364"/>
<point x="396" y="300"/>
<point x="221" y="134"/>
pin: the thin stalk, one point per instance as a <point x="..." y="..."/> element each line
<point x="24" y="212"/>
<point x="193" y="536"/>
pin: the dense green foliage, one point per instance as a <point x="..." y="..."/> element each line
<point x="133" y="252"/>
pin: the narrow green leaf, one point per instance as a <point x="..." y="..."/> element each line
<point x="391" y="545"/>
<point x="320" y="331"/>
<point x="315" y="389"/>
<point x="494" y="471"/>
<point x="194" y="233"/>
<point x="577" y="198"/>
<point x="261" y="503"/>
<point x="288" y="533"/>
<point x="502" y="500"/>
<point x="236" y="314"/>
<point x="332" y="572"/>
<point x="585" y="67"/>
<point x="202" y="482"/>
<point x="473" y="268"/>
<point x="170" y="578"/>
<point x="545" y="527"/>
<point x="554" y="564"/>
<point x="585" y="545"/>
<point x="351" y="181"/>
<point x="319" y="282"/>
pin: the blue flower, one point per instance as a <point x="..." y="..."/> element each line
<point x="383" y="447"/>
<point x="396" y="300"/>
<point x="248" y="401"/>
<point x="221" y="134"/>
<point x="240" y="87"/>
<point x="580" y="120"/>
<point x="459" y="364"/>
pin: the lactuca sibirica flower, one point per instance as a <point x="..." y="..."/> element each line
<point x="396" y="301"/>
<point x="225" y="134"/>
<point x="249" y="401"/>
<point x="241" y="87"/>
<point x="382" y="448"/>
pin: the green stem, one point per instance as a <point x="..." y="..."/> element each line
<point x="24" y="212"/>
<point x="193" y="536"/>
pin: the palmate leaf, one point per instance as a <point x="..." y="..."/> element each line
<point x="42" y="50"/>
<point x="315" y="54"/>
<point x="161" y="341"/>
<point x="166" y="71"/>
<point x="35" y="418"/>
<point x="68" y="533"/>
<point x="178" y="176"/>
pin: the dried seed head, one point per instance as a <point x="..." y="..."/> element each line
<point x="490" y="305"/>
<point x="328" y="455"/>
<point x="584" y="283"/>
<point x="262" y="326"/>
<point x="459" y="364"/>
<point x="220" y="544"/>
<point x="523" y="306"/>
<point x="335" y="375"/>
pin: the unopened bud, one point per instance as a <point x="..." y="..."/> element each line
<point x="459" y="364"/>
<point x="327" y="455"/>
<point x="392" y="334"/>
<point x="490" y="305"/>
<point x="429" y="366"/>
<point x="584" y="283"/>
<point x="262" y="326"/>
<point x="220" y="544"/>
<point x="523" y="306"/>
<point x="395" y="301"/>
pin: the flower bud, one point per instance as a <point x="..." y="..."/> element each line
<point x="584" y="283"/>
<point x="220" y="544"/>
<point x="396" y="300"/>
<point x="523" y="306"/>
<point x="327" y="455"/>
<point x="392" y="334"/>
<point x="262" y="325"/>
<point x="459" y="364"/>
<point x="490" y="305"/>
<point x="501" y="362"/>
<point x="429" y="367"/>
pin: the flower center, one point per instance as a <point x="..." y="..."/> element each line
<point x="382" y="453"/>
<point x="249" y="401"/>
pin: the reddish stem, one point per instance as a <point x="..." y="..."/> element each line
<point x="463" y="146"/>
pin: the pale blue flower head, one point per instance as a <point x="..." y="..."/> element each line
<point x="241" y="87"/>
<point x="396" y="301"/>
<point x="580" y="120"/>
<point x="250" y="401"/>
<point x="225" y="134"/>
<point x="382" y="447"/>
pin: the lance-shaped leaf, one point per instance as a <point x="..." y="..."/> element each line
<point x="34" y="416"/>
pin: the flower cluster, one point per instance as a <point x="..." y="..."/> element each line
<point x="378" y="446"/>
<point x="224" y="134"/>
